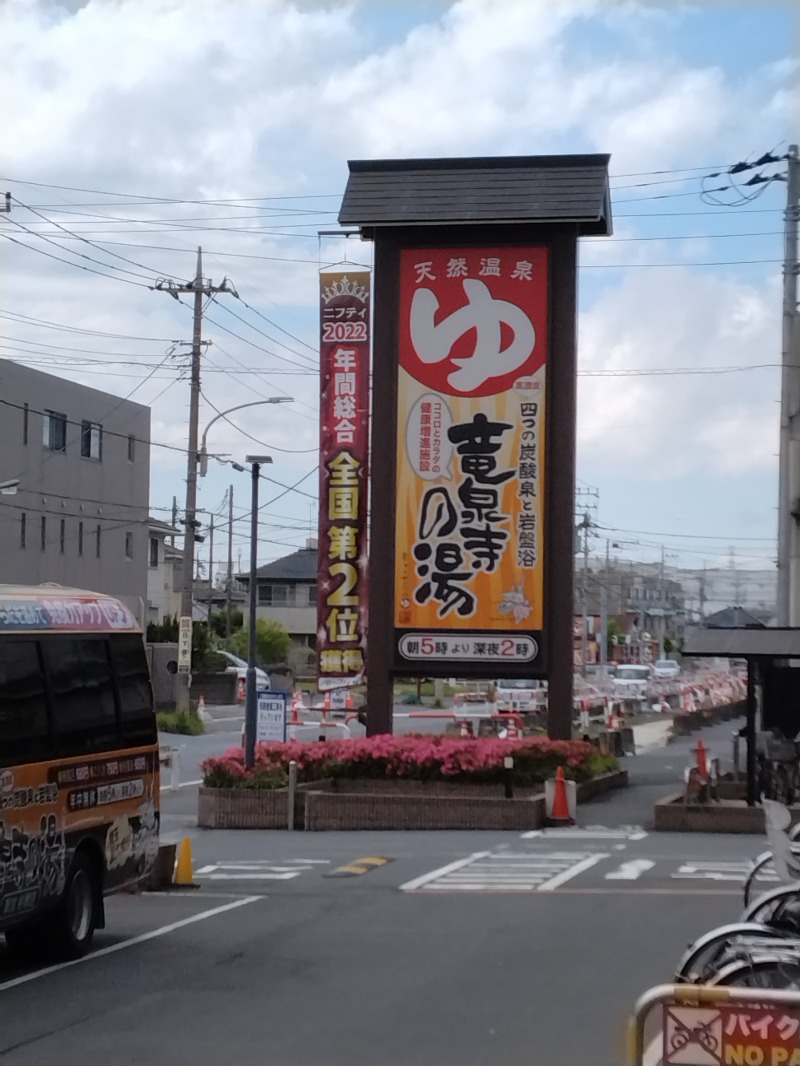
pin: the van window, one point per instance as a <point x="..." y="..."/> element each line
<point x="24" y="732"/>
<point x="129" y="663"/>
<point x="84" y="710"/>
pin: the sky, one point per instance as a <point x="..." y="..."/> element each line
<point x="148" y="127"/>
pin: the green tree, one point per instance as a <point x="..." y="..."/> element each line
<point x="219" y="622"/>
<point x="614" y="630"/>
<point x="272" y="642"/>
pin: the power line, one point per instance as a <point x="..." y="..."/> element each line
<point x="81" y="255"/>
<point x="79" y="266"/>
<point x="85" y="240"/>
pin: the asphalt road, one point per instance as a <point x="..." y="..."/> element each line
<point x="464" y="949"/>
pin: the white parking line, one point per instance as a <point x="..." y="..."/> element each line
<point x="132" y="942"/>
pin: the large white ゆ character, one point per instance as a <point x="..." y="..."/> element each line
<point x="433" y="343"/>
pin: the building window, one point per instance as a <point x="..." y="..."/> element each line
<point x="131" y="447"/>
<point x="25" y="424"/>
<point x="97" y="534"/>
<point x="43" y="533"/>
<point x="80" y="538"/>
<point x="154" y="551"/>
<point x="54" y="436"/>
<point x="273" y="595"/>
<point x="129" y="545"/>
<point x="23" y="521"/>
<point x="91" y="440"/>
<point x="312" y="594"/>
<point x="62" y="535"/>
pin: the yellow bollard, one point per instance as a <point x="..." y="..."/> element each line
<point x="184" y="877"/>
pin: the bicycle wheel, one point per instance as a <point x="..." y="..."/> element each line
<point x="760" y="865"/>
<point x="709" y="953"/>
<point x="769" y="971"/>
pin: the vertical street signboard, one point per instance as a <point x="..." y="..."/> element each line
<point x="472" y="402"/>
<point x="344" y="449"/>
<point x="185" y="644"/>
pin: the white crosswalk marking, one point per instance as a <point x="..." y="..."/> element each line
<point x="257" y="870"/>
<point x="589" y="832"/>
<point x="507" y="872"/>
<point x="721" y="871"/>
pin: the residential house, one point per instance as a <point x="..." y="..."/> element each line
<point x="164" y="572"/>
<point x="287" y="594"/>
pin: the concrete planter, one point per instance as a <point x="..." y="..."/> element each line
<point x="386" y="804"/>
<point x="672" y="815"/>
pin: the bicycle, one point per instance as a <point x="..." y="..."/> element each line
<point x="778" y="767"/>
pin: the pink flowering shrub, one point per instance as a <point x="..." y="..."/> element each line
<point x="420" y="758"/>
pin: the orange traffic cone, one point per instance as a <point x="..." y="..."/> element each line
<point x="240" y="690"/>
<point x="702" y="759"/>
<point x="560" y="812"/>
<point x="349" y="701"/>
<point x="297" y="702"/>
<point x="327" y="704"/>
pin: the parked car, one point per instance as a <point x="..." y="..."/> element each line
<point x="239" y="667"/>
<point x="666" y="669"/>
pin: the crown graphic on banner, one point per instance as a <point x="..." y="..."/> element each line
<point x="345" y="287"/>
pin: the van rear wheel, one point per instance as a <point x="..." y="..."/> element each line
<point x="70" y="928"/>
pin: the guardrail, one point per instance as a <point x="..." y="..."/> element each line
<point x="726" y="1025"/>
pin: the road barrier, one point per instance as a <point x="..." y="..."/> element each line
<point x="170" y="758"/>
<point x="705" y="1024"/>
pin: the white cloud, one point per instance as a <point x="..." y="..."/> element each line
<point x="672" y="320"/>
<point x="260" y="98"/>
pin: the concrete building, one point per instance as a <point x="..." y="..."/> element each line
<point x="287" y="594"/>
<point x="80" y="514"/>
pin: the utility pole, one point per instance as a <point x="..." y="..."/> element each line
<point x="789" y="462"/>
<point x="604" y="614"/>
<point x="174" y="518"/>
<point x="586" y="525"/>
<point x="663" y="603"/>
<point x="702" y="596"/>
<point x="200" y="287"/>
<point x="229" y="582"/>
<point x="210" y="569"/>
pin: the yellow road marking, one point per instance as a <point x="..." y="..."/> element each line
<point x="360" y="866"/>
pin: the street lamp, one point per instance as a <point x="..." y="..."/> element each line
<point x="203" y="456"/>
<point x="256" y="462"/>
<point x="9" y="488"/>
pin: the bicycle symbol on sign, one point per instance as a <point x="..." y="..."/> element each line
<point x="692" y="1037"/>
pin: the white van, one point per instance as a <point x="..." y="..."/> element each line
<point x="516" y="694"/>
<point x="631" y="682"/>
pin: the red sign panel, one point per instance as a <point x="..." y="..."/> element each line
<point x="731" y="1035"/>
<point x="344" y="444"/>
<point x="472" y="409"/>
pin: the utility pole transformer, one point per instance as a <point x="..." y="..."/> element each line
<point x="789" y="466"/>
<point x="200" y="288"/>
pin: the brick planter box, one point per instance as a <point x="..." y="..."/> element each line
<point x="386" y="804"/>
<point x="672" y="815"/>
<point x="379" y="810"/>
